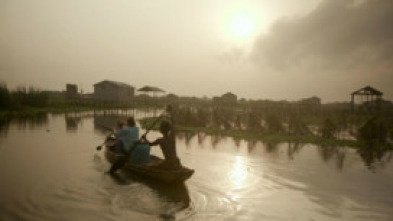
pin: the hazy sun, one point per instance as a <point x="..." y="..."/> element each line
<point x="242" y="26"/>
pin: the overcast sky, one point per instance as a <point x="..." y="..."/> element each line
<point x="258" y="49"/>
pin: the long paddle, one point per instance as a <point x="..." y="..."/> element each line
<point x="99" y="147"/>
<point x="122" y="160"/>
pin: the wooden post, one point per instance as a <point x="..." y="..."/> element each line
<point x="352" y="102"/>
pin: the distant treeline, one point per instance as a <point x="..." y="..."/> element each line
<point x="22" y="97"/>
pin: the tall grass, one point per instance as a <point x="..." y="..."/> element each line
<point x="282" y="122"/>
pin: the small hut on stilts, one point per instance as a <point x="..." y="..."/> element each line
<point x="370" y="98"/>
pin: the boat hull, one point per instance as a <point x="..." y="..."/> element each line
<point x="150" y="171"/>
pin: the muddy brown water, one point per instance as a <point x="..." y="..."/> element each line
<point x="50" y="170"/>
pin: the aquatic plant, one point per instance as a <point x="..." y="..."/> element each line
<point x="273" y="124"/>
<point x="254" y="121"/>
<point x="373" y="132"/>
<point x="296" y="125"/>
<point x="4" y="97"/>
<point x="328" y="129"/>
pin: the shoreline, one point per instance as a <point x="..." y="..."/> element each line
<point x="31" y="111"/>
<point x="250" y="135"/>
<point x="265" y="137"/>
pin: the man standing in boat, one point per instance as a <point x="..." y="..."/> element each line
<point x="167" y="143"/>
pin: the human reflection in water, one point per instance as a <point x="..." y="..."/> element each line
<point x="175" y="194"/>
<point x="375" y="157"/>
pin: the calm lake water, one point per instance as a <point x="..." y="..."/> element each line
<point x="50" y="170"/>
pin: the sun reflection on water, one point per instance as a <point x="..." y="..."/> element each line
<point x="238" y="173"/>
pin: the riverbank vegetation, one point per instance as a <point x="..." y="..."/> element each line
<point x="269" y="121"/>
<point x="30" y="101"/>
<point x="305" y="121"/>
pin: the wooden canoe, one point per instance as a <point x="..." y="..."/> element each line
<point x="150" y="171"/>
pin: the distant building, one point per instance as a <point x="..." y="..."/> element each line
<point x="370" y="98"/>
<point x="309" y="105"/>
<point x="71" y="91"/>
<point x="113" y="91"/>
<point x="312" y="101"/>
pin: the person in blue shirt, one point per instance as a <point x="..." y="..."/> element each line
<point x="127" y="136"/>
<point x="129" y="145"/>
